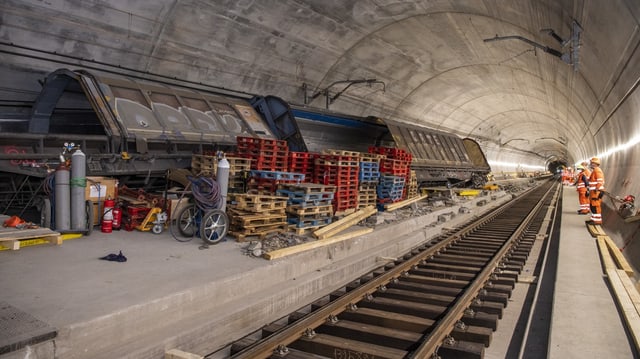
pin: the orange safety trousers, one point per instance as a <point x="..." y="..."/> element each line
<point x="596" y="209"/>
<point x="583" y="200"/>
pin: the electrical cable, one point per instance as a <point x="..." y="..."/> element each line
<point x="206" y="192"/>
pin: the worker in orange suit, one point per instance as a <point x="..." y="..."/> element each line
<point x="596" y="191"/>
<point x="582" y="185"/>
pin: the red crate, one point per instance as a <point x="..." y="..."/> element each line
<point x="241" y="141"/>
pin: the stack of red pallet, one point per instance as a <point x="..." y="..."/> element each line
<point x="302" y="162"/>
<point x="397" y="163"/>
<point x="340" y="169"/>
<point x="266" y="154"/>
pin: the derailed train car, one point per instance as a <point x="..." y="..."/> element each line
<point x="439" y="158"/>
<point x="136" y="130"/>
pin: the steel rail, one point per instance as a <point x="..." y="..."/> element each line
<point x="307" y="324"/>
<point x="444" y="326"/>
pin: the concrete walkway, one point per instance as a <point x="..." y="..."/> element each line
<point x="585" y="321"/>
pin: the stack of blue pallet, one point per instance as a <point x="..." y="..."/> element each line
<point x="309" y="205"/>
<point x="390" y="189"/>
<point x="369" y="173"/>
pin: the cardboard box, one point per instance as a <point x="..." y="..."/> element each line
<point x="98" y="209"/>
<point x="101" y="188"/>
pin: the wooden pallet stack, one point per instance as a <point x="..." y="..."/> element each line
<point x="309" y="205"/>
<point x="253" y="215"/>
<point x="267" y="182"/>
<point x="412" y="187"/>
<point x="368" y="176"/>
<point x="302" y="162"/>
<point x="205" y="165"/>
<point x="340" y="169"/>
<point x="394" y="174"/>
<point x="265" y="154"/>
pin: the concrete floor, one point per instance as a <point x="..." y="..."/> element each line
<point x="176" y="295"/>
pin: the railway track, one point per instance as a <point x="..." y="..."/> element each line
<point x="444" y="299"/>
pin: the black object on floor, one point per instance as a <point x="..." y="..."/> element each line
<point x="115" y="257"/>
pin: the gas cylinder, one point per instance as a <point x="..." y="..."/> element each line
<point x="107" y="217"/>
<point x="117" y="217"/>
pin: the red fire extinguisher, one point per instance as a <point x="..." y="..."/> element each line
<point x="107" y="217"/>
<point x="117" y="217"/>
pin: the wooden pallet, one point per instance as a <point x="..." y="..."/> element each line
<point x="307" y="187"/>
<point x="341" y="153"/>
<point x="11" y="237"/>
<point x="234" y="212"/>
<point x="301" y="210"/>
<point x="249" y="234"/>
<point x="258" y="220"/>
<point x="305" y="230"/>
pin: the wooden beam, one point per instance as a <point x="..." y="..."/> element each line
<point x="625" y="293"/>
<point x="605" y="256"/>
<point x="279" y="253"/>
<point x="629" y="311"/>
<point x="394" y="206"/>
<point x="595" y="230"/>
<point x="618" y="257"/>
<point x="344" y="223"/>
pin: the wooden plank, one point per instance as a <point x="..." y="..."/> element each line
<point x="634" y="296"/>
<point x="394" y="206"/>
<point x="632" y="219"/>
<point x="605" y="256"/>
<point x="344" y="223"/>
<point x="595" y="230"/>
<point x="279" y="253"/>
<point x="617" y="255"/>
<point x="629" y="312"/>
<point x="10" y="238"/>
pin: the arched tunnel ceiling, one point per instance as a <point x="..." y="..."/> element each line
<point x="521" y="103"/>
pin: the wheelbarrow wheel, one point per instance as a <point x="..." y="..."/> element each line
<point x="187" y="222"/>
<point x="214" y="226"/>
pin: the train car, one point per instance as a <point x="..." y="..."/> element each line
<point x="131" y="129"/>
<point x="439" y="158"/>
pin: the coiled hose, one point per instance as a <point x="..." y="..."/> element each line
<point x="206" y="192"/>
